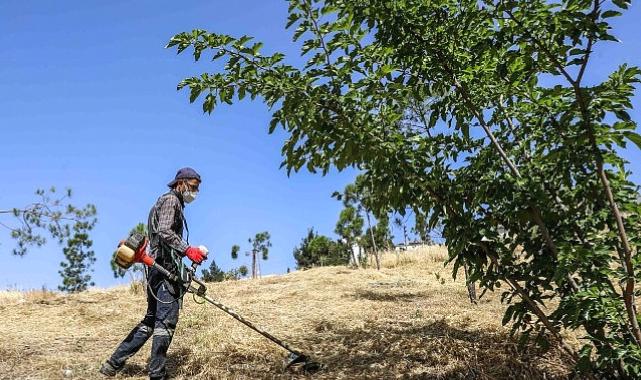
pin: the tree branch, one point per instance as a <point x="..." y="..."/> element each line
<point x="541" y="46"/>
<point x="535" y="211"/>
<point x="628" y="295"/>
<point x="591" y="40"/>
<point x="317" y="32"/>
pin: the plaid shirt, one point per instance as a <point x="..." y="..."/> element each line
<point x="166" y="221"/>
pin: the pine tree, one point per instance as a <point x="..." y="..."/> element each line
<point x="50" y="215"/>
<point x="319" y="250"/>
<point x="214" y="273"/>
<point x="79" y="257"/>
<point x="350" y="228"/>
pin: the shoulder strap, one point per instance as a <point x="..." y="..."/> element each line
<point x="186" y="227"/>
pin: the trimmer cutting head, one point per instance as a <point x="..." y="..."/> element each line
<point x="303" y="362"/>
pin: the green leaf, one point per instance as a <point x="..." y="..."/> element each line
<point x="621" y="3"/>
<point x="386" y="69"/>
<point x="623" y="115"/>
<point x="634" y="137"/>
<point x="194" y="93"/>
<point x="272" y="125"/>
<point x="256" y="48"/>
<point x="610" y="13"/>
<point x="243" y="40"/>
<point x="209" y="103"/>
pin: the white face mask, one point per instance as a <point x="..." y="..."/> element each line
<point x="189" y="196"/>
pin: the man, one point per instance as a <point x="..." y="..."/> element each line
<point x="164" y="297"/>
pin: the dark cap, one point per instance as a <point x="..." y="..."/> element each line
<point x="185" y="173"/>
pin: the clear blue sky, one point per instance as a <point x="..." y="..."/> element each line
<point x="88" y="100"/>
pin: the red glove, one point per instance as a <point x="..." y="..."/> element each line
<point x="196" y="254"/>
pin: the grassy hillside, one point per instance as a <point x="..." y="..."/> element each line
<point x="400" y="322"/>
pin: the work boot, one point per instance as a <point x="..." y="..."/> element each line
<point x="109" y="369"/>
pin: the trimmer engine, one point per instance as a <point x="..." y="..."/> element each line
<point x="130" y="250"/>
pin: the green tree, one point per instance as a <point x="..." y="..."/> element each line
<point x="382" y="236"/>
<point x="318" y="250"/>
<point x="360" y="196"/>
<point x="236" y="273"/>
<point x="213" y="273"/>
<point x="234" y="251"/>
<point x="350" y="229"/>
<point x="476" y="113"/>
<point x="260" y="244"/>
<point x="401" y="222"/>
<point x="304" y="256"/>
<point x="422" y="229"/>
<point x="52" y="214"/>
<point x="79" y="257"/>
<point x="328" y="251"/>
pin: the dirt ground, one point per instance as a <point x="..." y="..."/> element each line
<point x="409" y="320"/>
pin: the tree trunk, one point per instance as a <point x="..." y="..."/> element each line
<point x="354" y="259"/>
<point x="378" y="260"/>
<point x="471" y="288"/>
<point x="371" y="234"/>
<point x="405" y="233"/>
<point x="257" y="267"/>
<point x="253" y="264"/>
<point x="398" y="251"/>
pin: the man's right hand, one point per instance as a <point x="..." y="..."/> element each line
<point x="196" y="254"/>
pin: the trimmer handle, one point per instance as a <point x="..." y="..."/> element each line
<point x="194" y="265"/>
<point x="199" y="290"/>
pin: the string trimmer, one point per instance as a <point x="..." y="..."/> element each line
<point x="133" y="250"/>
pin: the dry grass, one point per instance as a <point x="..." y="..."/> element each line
<point x="400" y="322"/>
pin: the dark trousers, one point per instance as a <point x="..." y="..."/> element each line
<point x="160" y="322"/>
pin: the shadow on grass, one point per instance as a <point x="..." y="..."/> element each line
<point x="433" y="351"/>
<point x="134" y="369"/>
<point x="386" y="350"/>
<point x="373" y="295"/>
<point x="176" y="362"/>
<point x="225" y="364"/>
